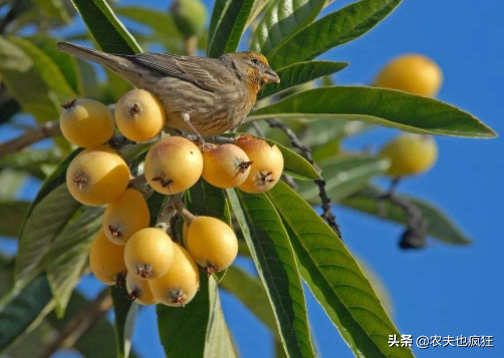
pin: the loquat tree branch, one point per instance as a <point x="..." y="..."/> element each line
<point x="80" y="324"/>
<point x="415" y="235"/>
<point x="31" y="136"/>
<point x="328" y="215"/>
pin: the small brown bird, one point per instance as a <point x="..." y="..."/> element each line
<point x="206" y="96"/>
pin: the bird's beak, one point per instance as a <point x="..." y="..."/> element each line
<point x="271" y="76"/>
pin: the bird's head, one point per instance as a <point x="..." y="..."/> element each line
<point x="253" y="69"/>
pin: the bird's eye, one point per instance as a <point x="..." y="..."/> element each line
<point x="255" y="61"/>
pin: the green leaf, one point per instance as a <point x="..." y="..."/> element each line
<point x="32" y="161"/>
<point x="48" y="214"/>
<point x="96" y="342"/>
<point x="218" y="11"/>
<point x="67" y="64"/>
<point x="274" y="259"/>
<point x="335" y="278"/>
<point x="107" y="30"/>
<point x="208" y="200"/>
<point x="25" y="83"/>
<point x="68" y="255"/>
<point x="162" y="25"/>
<point x="54" y="9"/>
<point x="125" y="315"/>
<point x="294" y="164"/>
<point x="332" y="30"/>
<point x="439" y="225"/>
<point x="229" y="29"/>
<point x="344" y="176"/>
<point x="384" y="107"/>
<point x="21" y="308"/>
<point x="250" y="291"/>
<point x="258" y="7"/>
<point x="281" y="20"/>
<point x="10" y="183"/>
<point x="299" y="73"/>
<point x="155" y="203"/>
<point x="13" y="213"/>
<point x="46" y="67"/>
<point x="197" y="330"/>
<point x="43" y="223"/>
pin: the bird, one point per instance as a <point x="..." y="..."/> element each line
<point x="205" y="96"/>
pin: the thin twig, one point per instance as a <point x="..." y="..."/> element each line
<point x="47" y="130"/>
<point x="164" y="219"/>
<point x="80" y="324"/>
<point x="328" y="215"/>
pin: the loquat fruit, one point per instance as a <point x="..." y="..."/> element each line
<point x="212" y="243"/>
<point x="107" y="260"/>
<point x="86" y="123"/>
<point x="97" y="176"/>
<point x="125" y="216"/>
<point x="179" y="286"/>
<point x="139" y="115"/>
<point x="172" y="165"/>
<point x="225" y="166"/>
<point x="410" y="154"/>
<point x="139" y="290"/>
<point x="149" y="253"/>
<point x="412" y="73"/>
<point x="267" y="164"/>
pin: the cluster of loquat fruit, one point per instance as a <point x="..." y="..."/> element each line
<point x="154" y="267"/>
<point x="411" y="154"/>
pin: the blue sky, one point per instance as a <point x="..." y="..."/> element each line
<point x="441" y="290"/>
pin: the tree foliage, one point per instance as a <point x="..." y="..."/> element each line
<point x="288" y="241"/>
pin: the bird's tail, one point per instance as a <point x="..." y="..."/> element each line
<point x="90" y="54"/>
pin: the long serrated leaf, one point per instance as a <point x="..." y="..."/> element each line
<point x="208" y="200"/>
<point x="439" y="225"/>
<point x="218" y="11"/>
<point x="162" y="26"/>
<point x="49" y="71"/>
<point x="250" y="290"/>
<point x="107" y="30"/>
<point x="229" y="29"/>
<point x="335" y="278"/>
<point x="281" y="20"/>
<point x="274" y="259"/>
<point x="332" y="30"/>
<point x="68" y="255"/>
<point x="197" y="330"/>
<point x="26" y="84"/>
<point x="25" y="304"/>
<point x="299" y="73"/>
<point x="32" y="161"/>
<point x="48" y="214"/>
<point x="12" y="214"/>
<point x="294" y="164"/>
<point x="344" y="176"/>
<point x="67" y="64"/>
<point x="125" y="315"/>
<point x="42" y="225"/>
<point x="388" y="108"/>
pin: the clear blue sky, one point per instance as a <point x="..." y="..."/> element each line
<point x="441" y="290"/>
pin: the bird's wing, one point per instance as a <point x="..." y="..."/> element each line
<point x="192" y="69"/>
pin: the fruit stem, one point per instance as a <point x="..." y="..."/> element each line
<point x="164" y="219"/>
<point x="182" y="210"/>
